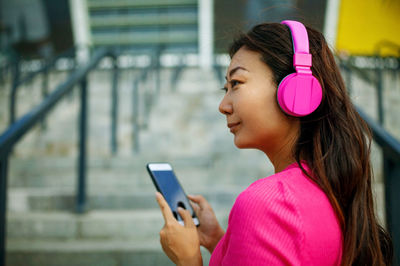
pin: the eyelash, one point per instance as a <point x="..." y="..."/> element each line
<point x="233" y="84"/>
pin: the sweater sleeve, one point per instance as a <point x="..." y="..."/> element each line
<point x="264" y="228"/>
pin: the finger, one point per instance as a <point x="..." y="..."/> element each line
<point x="186" y="216"/>
<point x="164" y="207"/>
<point x="200" y="200"/>
<point x="195" y="207"/>
<point x="196" y="198"/>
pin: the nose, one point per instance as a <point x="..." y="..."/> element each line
<point x="225" y="107"/>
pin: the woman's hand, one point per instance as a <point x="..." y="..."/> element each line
<point x="180" y="243"/>
<point x="210" y="232"/>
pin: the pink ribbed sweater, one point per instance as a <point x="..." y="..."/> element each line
<point x="283" y="219"/>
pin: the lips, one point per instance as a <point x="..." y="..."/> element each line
<point x="233" y="126"/>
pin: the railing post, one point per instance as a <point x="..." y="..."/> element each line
<point x="175" y="75"/>
<point x="81" y="189"/>
<point x="148" y="99"/>
<point x="14" y="86"/>
<point x="392" y="198"/>
<point x="135" y="116"/>
<point x="114" y="109"/>
<point x="3" y="69"/>
<point x="3" y="205"/>
<point x="158" y="70"/>
<point x="45" y="91"/>
<point x="69" y="73"/>
<point x="349" y="84"/>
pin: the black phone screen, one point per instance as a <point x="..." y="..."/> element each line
<point x="167" y="183"/>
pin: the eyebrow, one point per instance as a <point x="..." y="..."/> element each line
<point x="234" y="70"/>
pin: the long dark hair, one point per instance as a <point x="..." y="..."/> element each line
<point x="334" y="141"/>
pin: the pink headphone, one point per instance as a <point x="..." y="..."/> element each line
<point x="300" y="93"/>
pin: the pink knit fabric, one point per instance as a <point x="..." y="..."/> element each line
<point x="284" y="219"/>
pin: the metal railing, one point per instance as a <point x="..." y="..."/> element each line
<point x="17" y="80"/>
<point x="148" y="101"/>
<point x="18" y="129"/>
<point x="389" y="145"/>
<point x="25" y="123"/>
<point x="139" y="117"/>
<point x="5" y="68"/>
<point x="372" y="72"/>
<point x="391" y="173"/>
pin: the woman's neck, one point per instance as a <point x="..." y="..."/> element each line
<point x="283" y="156"/>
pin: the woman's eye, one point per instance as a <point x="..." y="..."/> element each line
<point x="234" y="83"/>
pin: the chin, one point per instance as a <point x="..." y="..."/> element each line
<point x="242" y="145"/>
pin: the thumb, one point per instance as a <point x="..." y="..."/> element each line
<point x="186" y="216"/>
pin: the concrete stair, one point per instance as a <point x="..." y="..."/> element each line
<point x="104" y="253"/>
<point x="123" y="220"/>
<point x="142" y="224"/>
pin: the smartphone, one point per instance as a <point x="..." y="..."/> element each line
<point x="167" y="184"/>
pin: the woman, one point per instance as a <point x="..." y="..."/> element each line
<point x="317" y="209"/>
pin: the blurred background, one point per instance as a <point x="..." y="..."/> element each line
<point x="92" y="90"/>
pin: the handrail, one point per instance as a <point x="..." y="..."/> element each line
<point x="20" y="127"/>
<point x="391" y="172"/>
<point x="148" y="100"/>
<point x="17" y="81"/>
<point x="15" y="132"/>
<point x="391" y="158"/>
<point x="388" y="143"/>
<point x="375" y="77"/>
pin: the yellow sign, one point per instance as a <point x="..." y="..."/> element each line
<point x="369" y="27"/>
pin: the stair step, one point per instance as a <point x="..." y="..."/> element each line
<point x="28" y="199"/>
<point x="61" y="139"/>
<point x="136" y="20"/>
<point x="83" y="253"/>
<point x="202" y="170"/>
<point x="122" y="4"/>
<point x="187" y="36"/>
<point x="94" y="225"/>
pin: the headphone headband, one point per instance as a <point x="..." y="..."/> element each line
<point x="300" y="93"/>
<point x="302" y="60"/>
<point x="299" y="36"/>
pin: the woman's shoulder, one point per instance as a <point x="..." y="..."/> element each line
<point x="291" y="196"/>
<point x="291" y="206"/>
<point x="275" y="183"/>
<point x="266" y="214"/>
<point x="268" y="197"/>
<point x="270" y="193"/>
<point x="289" y="183"/>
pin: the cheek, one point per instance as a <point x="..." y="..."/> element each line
<point x="265" y="107"/>
<point x="266" y="120"/>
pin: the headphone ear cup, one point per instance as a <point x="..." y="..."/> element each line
<point x="299" y="94"/>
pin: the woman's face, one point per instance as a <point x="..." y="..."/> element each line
<point x="251" y="108"/>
